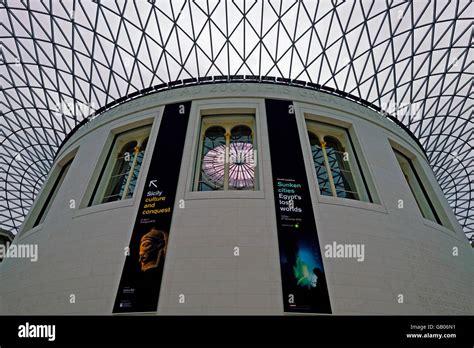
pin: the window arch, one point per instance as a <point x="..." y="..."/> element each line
<point x="241" y="133"/>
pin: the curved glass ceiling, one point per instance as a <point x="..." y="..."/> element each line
<point x="61" y="60"/>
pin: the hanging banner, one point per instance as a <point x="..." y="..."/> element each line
<point x="139" y="287"/>
<point x="303" y="277"/>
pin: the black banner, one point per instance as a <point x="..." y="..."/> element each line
<point x="293" y="331"/>
<point x="139" y="287"/>
<point x="303" y="277"/>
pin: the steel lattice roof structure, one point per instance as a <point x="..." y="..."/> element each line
<point x="63" y="60"/>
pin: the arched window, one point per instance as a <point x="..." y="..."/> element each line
<point x="335" y="162"/>
<point x="121" y="171"/>
<point x="213" y="160"/>
<point x="227" y="160"/>
<point x="241" y="164"/>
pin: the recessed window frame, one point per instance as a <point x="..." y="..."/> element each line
<point x="322" y="130"/>
<point x="51" y="188"/>
<point x="228" y="120"/>
<point x="426" y="202"/>
<point x="101" y="185"/>
<point x="46" y="206"/>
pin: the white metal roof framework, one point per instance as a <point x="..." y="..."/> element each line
<point x="60" y="61"/>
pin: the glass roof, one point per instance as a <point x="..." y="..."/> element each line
<point x="62" y="60"/>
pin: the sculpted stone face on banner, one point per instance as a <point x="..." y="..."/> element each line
<point x="152" y="249"/>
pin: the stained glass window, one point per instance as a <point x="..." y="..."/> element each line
<point x="213" y="160"/>
<point x="242" y="161"/>
<point x="227" y="158"/>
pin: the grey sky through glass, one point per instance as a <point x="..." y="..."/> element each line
<point x="61" y="60"/>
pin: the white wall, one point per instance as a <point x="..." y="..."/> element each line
<point x="81" y="250"/>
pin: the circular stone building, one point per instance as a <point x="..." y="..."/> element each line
<point x="236" y="157"/>
<point x="242" y="197"/>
